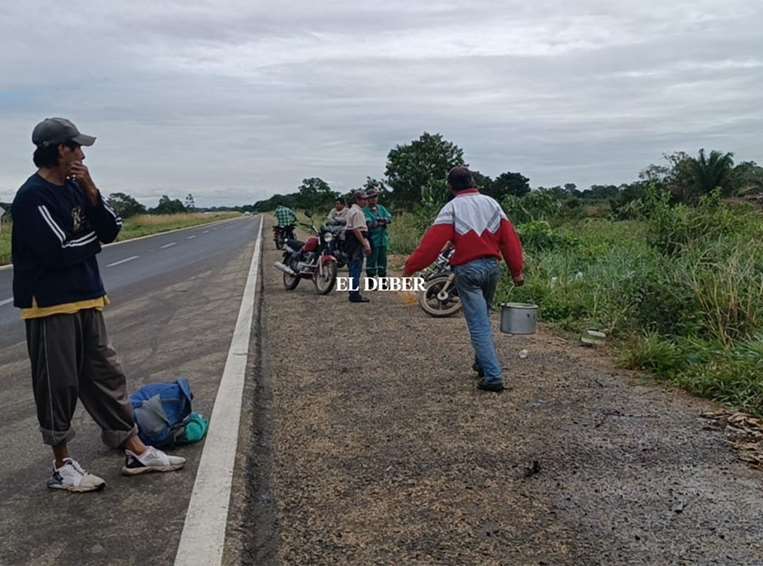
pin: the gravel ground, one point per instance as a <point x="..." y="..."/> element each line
<point x="383" y="451"/>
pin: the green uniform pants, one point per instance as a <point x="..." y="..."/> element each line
<point x="376" y="263"/>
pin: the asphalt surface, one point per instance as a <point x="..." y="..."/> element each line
<point x="378" y="449"/>
<point x="173" y="312"/>
<point x="364" y="440"/>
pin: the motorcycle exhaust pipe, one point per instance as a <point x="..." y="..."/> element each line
<point x="285" y="268"/>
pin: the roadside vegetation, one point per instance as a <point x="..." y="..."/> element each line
<point x="669" y="266"/>
<point x="147" y="224"/>
<point x="5" y="244"/>
<point x="678" y="288"/>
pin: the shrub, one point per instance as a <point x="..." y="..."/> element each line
<point x="733" y="376"/>
<point x="655" y="353"/>
<point x="537" y="205"/>
<point x="404" y="233"/>
<point x="537" y="235"/>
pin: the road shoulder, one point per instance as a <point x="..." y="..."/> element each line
<point x="384" y="451"/>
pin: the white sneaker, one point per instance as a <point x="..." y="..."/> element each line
<point x="71" y="477"/>
<point x="152" y="460"/>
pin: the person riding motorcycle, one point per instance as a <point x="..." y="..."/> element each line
<point x="286" y="219"/>
<point x="338" y="214"/>
<point x="336" y="221"/>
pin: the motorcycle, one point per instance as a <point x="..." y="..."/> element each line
<point x="311" y="259"/>
<point x="281" y="234"/>
<point x="440" y="296"/>
<point x="336" y="244"/>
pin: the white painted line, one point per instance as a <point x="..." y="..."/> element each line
<point x="121" y="261"/>
<point x="165" y="246"/>
<point x="205" y="232"/>
<point x="6" y="301"/>
<point x="203" y="537"/>
<point x="190" y="237"/>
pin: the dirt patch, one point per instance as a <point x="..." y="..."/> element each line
<point x="384" y="452"/>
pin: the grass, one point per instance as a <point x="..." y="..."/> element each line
<point x="679" y="290"/>
<point x="135" y="227"/>
<point x="147" y="224"/>
<point x="5" y="243"/>
<point x="404" y="234"/>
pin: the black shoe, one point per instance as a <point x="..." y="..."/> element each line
<point x="359" y="300"/>
<point x="490" y="386"/>
<point x="476" y="367"/>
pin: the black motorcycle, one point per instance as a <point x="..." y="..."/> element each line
<point x="336" y="244"/>
<point x="440" y="296"/>
<point x="281" y="234"/>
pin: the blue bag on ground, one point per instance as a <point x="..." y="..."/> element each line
<point x="164" y="416"/>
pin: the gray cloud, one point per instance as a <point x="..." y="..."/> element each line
<point x="234" y="102"/>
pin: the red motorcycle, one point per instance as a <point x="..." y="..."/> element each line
<point x="311" y="259"/>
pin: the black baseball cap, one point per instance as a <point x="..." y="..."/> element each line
<point x="54" y="131"/>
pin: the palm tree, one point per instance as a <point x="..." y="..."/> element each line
<point x="709" y="173"/>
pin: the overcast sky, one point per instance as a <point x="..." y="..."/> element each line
<point x="233" y="102"/>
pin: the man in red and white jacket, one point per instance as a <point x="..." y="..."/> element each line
<point x="480" y="231"/>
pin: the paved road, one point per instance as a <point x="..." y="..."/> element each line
<point x="139" y="262"/>
<point x="175" y="299"/>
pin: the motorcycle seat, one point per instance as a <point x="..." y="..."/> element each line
<point x="295" y="244"/>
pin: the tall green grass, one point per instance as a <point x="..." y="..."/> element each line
<point x="5" y="244"/>
<point x="679" y="290"/>
<point x="404" y="233"/>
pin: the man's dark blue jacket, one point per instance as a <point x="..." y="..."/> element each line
<point x="57" y="233"/>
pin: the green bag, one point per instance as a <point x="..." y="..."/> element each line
<point x="194" y="429"/>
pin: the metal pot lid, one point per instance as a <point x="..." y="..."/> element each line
<point x="519" y="305"/>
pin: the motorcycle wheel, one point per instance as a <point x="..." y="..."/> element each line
<point x="435" y="307"/>
<point x="325" y="283"/>
<point x="279" y="243"/>
<point x="290" y="281"/>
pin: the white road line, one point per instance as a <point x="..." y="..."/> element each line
<point x="6" y="301"/>
<point x="205" y="232"/>
<point x="121" y="261"/>
<point x="165" y="246"/>
<point x="203" y="537"/>
<point x="190" y="237"/>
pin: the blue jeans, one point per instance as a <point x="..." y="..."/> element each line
<point x="356" y="268"/>
<point x="476" y="282"/>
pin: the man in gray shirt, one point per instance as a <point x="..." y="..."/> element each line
<point x="357" y="244"/>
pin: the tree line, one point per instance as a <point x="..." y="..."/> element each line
<point x="126" y="205"/>
<point x="415" y="176"/>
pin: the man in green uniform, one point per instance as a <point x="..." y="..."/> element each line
<point x="377" y="218"/>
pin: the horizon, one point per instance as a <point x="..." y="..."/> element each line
<point x="234" y="103"/>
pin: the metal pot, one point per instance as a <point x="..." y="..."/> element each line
<point x="519" y="318"/>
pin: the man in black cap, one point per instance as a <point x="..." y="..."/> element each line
<point x="357" y="244"/>
<point x="59" y="222"/>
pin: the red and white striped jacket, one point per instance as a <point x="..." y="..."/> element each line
<point x="477" y="226"/>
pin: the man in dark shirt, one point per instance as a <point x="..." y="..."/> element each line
<point x="59" y="222"/>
